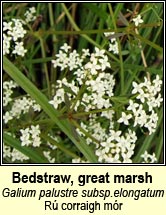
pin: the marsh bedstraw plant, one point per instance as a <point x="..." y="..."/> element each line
<point x="110" y="130"/>
<point x="111" y="145"/>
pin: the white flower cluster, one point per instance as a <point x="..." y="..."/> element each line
<point x="113" y="45"/>
<point x="110" y="144"/>
<point x="98" y="83"/>
<point x="66" y="59"/>
<point x="99" y="92"/>
<point x="30" y="15"/>
<point x="7" y="91"/>
<point x="148" y="158"/>
<point x="60" y="92"/>
<point x="30" y="136"/>
<point x="17" y="106"/>
<point x="20" y="106"/>
<point x="13" y="33"/>
<point x="142" y="108"/>
<point x="13" y="154"/>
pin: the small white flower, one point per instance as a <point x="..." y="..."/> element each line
<point x="6" y="151"/>
<point x="131" y="137"/>
<point x="36" y="142"/>
<point x="148" y="158"/>
<point x="153" y="158"/>
<point x="30" y="14"/>
<point x="58" y="98"/>
<point x="113" y="159"/>
<point x="113" y="47"/>
<point x="17" y="155"/>
<point x="142" y="96"/>
<point x="114" y="135"/>
<point x="153" y="117"/>
<point x="125" y="118"/>
<point x="140" y="118"/>
<point x="106" y="146"/>
<point x="107" y="34"/>
<point x="85" y="53"/>
<point x="7" y="117"/>
<point x="50" y="159"/>
<point x="152" y="122"/>
<point x="19" y="49"/>
<point x="17" y="31"/>
<point x="126" y="157"/>
<point x="6" y="44"/>
<point x="137" y="20"/>
<point x="35" y="131"/>
<point x="104" y="63"/>
<point x="36" y="107"/>
<point x="93" y="66"/>
<point x="158" y="101"/>
<point x="137" y="88"/>
<point x="65" y="47"/>
<point x="123" y="144"/>
<point x="133" y="106"/>
<point x="54" y="102"/>
<point x="7" y="26"/>
<point x="157" y="81"/>
<point x="99" y="53"/>
<point x="25" y="137"/>
<point x="101" y="154"/>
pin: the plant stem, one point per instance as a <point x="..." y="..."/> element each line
<point x="120" y="52"/>
<point x="45" y="66"/>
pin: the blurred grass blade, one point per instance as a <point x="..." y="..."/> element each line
<point x="116" y="35"/>
<point x="123" y="19"/>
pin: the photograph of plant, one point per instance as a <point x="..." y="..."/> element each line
<point x="82" y="83"/>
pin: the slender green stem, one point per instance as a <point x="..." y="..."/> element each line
<point x="45" y="67"/>
<point x="59" y="145"/>
<point x="51" y="16"/>
<point x="90" y="112"/>
<point x="53" y="73"/>
<point x="95" y="31"/>
<point x="159" y="146"/>
<point x="120" y="52"/>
